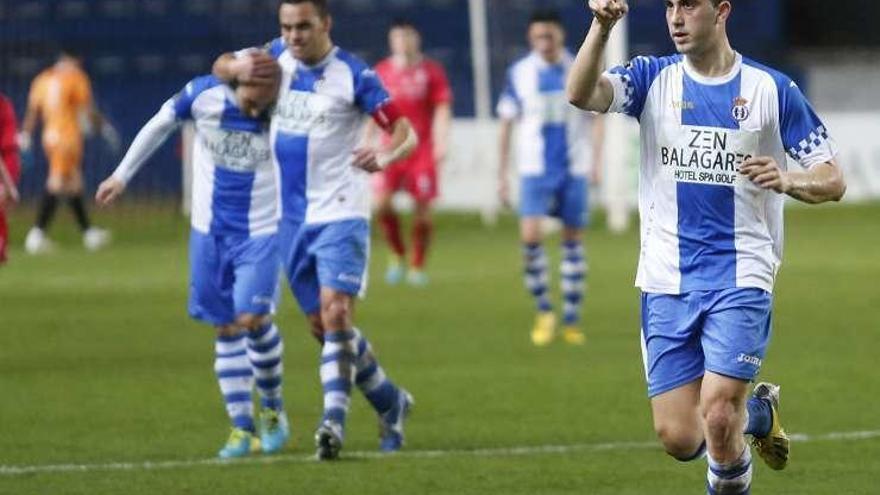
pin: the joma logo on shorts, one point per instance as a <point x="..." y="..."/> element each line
<point x="349" y="278"/>
<point x="745" y="358"/>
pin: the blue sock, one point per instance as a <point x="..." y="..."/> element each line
<point x="760" y="417"/>
<point x="573" y="270"/>
<point x="236" y="379"/>
<point x="536" y="275"/>
<point x="381" y="393"/>
<point x="730" y="479"/>
<point x="265" y="348"/>
<point x="338" y="358"/>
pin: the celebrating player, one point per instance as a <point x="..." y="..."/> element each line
<point x="716" y="127"/>
<point x="324" y="230"/>
<point x="555" y="154"/>
<point x="419" y="87"/>
<point x="9" y="169"/>
<point x="234" y="257"/>
<point x="61" y="96"/>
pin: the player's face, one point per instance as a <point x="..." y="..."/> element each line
<point x="304" y="30"/>
<point x="404" y="41"/>
<point x="547" y="38"/>
<point x="694" y="24"/>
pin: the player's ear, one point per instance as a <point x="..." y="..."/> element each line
<point x="328" y="23"/>
<point x="723" y="13"/>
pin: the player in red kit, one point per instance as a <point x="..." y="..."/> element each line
<point x="420" y="89"/>
<point x="9" y="168"/>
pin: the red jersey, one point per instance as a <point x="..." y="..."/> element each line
<point x="8" y="131"/>
<point x="417" y="91"/>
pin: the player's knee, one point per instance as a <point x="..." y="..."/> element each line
<point x="336" y="314"/>
<point x="252" y="322"/>
<point x="680" y="442"/>
<point x="228" y="330"/>
<point x="720" y="417"/>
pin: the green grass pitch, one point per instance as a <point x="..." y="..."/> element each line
<point x="100" y="365"/>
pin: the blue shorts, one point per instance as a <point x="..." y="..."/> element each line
<point x="563" y="197"/>
<point x="683" y="336"/>
<point x="232" y="275"/>
<point x="332" y="255"/>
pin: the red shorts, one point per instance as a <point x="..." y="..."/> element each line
<point x="4" y="236"/>
<point x="416" y="175"/>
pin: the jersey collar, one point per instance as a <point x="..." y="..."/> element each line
<point x="713" y="81"/>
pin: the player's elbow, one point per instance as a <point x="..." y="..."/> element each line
<point x="576" y="96"/>
<point x="838" y="187"/>
<point x="222" y="68"/>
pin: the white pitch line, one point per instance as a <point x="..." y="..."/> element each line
<point x="10" y="471"/>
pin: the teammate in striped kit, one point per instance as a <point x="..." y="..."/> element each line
<point x="716" y="128"/>
<point x="234" y="259"/>
<point x="324" y="230"/>
<point x="555" y="144"/>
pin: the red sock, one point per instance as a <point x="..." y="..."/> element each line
<point x="391" y="228"/>
<point x="421" y="241"/>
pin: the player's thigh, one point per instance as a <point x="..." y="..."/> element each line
<point x="671" y="348"/>
<point x="422" y="183"/>
<point x="211" y="281"/>
<point x="299" y="265"/>
<point x="535" y="197"/>
<point x="257" y="267"/>
<point x="342" y="252"/>
<point x="573" y="203"/>
<point x="737" y="331"/>
<point x="64" y="167"/>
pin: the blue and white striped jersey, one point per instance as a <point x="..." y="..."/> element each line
<point x="552" y="136"/>
<point x="235" y="183"/>
<point x="703" y="225"/>
<point x="316" y="126"/>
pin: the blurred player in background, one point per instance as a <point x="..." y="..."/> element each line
<point x="324" y="232"/>
<point x="556" y="148"/>
<point x="61" y="97"/>
<point x="9" y="169"/>
<point x="419" y="87"/>
<point x="234" y="259"/>
<point x="716" y="127"/>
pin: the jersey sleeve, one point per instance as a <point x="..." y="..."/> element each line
<point x="631" y="83"/>
<point x="509" y="103"/>
<point x="369" y="93"/>
<point x="803" y="134"/>
<point x="182" y="102"/>
<point x="440" y="92"/>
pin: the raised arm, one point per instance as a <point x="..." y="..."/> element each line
<point x="149" y="139"/>
<point x="586" y="88"/>
<point x="247" y="66"/>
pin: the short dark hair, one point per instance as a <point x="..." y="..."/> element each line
<point x="320" y="5"/>
<point x="546" y="15"/>
<point x="402" y="23"/>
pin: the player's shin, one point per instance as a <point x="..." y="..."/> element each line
<point x="573" y="270"/>
<point x="535" y="273"/>
<point x="338" y="358"/>
<point x="265" y="348"/>
<point x="381" y="393"/>
<point x="236" y="379"/>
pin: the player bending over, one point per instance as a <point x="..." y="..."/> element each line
<point x="555" y="144"/>
<point x="716" y="128"/>
<point x="324" y="232"/>
<point x="234" y="259"/>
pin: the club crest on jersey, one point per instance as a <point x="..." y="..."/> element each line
<point x="740" y="109"/>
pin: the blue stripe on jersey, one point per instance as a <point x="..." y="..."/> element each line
<point x="551" y="79"/>
<point x="183" y="101"/>
<point x="706" y="213"/>
<point x="294" y="167"/>
<point x="369" y="93"/>
<point x="234" y="120"/>
<point x="231" y="202"/>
